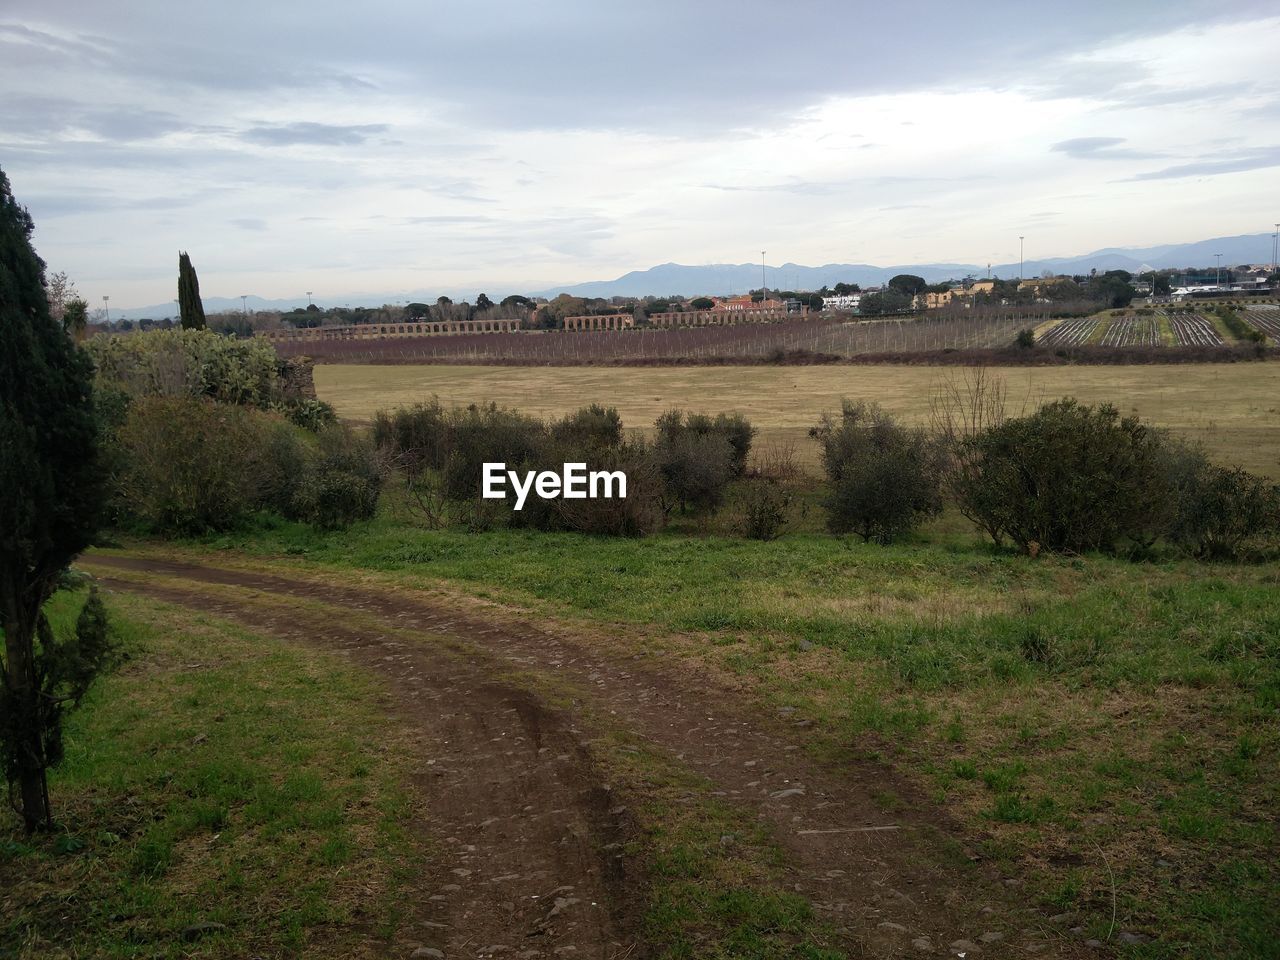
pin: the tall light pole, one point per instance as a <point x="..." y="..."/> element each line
<point x="106" y="306"/>
<point x="1020" y="257"/>
<point x="1275" y="249"/>
<point x="244" y="304"/>
<point x="308" y="298"/>
<point x="764" y="289"/>
<point x="1218" y="282"/>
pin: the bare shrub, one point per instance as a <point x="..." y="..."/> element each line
<point x="776" y="461"/>
<point x="764" y="508"/>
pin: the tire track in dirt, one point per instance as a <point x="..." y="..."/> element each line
<point x="521" y="822"/>
<point x="872" y="875"/>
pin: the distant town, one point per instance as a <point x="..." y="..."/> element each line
<point x="903" y="295"/>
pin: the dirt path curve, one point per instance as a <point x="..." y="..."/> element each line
<point x="515" y="771"/>
<point x="517" y="814"/>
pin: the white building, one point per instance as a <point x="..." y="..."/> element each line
<point x="848" y="301"/>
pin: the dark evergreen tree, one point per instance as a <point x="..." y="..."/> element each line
<point x="52" y="497"/>
<point x="189" y="304"/>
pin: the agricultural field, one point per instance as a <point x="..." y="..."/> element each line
<point x="1192" y="329"/>
<point x="1132" y="332"/>
<point x="1265" y="321"/>
<point x="1072" y="332"/>
<point x="841" y="338"/>
<point x="1233" y="409"/>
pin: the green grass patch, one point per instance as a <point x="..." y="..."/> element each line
<point x="223" y="794"/>
<point x="1064" y="707"/>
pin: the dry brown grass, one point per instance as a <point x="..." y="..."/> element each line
<point x="1234" y="409"/>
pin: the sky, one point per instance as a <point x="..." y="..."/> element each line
<point x="425" y="146"/>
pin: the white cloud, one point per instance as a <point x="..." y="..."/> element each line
<point x="291" y="152"/>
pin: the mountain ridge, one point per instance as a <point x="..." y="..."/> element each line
<point x="675" y="279"/>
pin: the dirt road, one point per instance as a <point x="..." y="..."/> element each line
<point x="534" y="841"/>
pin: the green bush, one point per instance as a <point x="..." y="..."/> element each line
<point x="885" y="478"/>
<point x="696" y="469"/>
<point x="1219" y="511"/>
<point x="638" y="514"/>
<point x="189" y="467"/>
<point x="341" y="483"/>
<point x="1069" y="477"/>
<point x="734" y="428"/>
<point x="593" y="428"/>
<point x="189" y="363"/>
<point x="416" y="437"/>
<point x="310" y="414"/>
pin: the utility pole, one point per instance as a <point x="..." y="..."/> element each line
<point x="106" y="307"/>
<point x="1218" y="282"/>
<point x="764" y="290"/>
<point x="1020" y="259"/>
<point x="1275" y="249"/>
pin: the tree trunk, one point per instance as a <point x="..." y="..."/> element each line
<point x="20" y="679"/>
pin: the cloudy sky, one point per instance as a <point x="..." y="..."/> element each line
<point x="385" y="146"/>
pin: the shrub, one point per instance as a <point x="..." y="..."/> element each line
<point x="342" y="483"/>
<point x="732" y="427"/>
<point x="1026" y="339"/>
<point x="310" y="414"/>
<point x="885" y="478"/>
<point x="764" y="508"/>
<point x="190" y="466"/>
<point x="189" y="363"/>
<point x="638" y="514"/>
<point x="1069" y="477"/>
<point x="481" y="434"/>
<point x="696" y="469"/>
<point x="416" y="437"/>
<point x="1219" y="511"/>
<point x="593" y="428"/>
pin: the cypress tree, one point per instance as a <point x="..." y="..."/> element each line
<point x="51" y="495"/>
<point x="189" y="305"/>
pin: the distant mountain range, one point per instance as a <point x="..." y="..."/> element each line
<point x="675" y="279"/>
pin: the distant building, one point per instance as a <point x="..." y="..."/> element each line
<point x="935" y="300"/>
<point x="731" y="304"/>
<point x="848" y="301"/>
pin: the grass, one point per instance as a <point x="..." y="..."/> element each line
<point x="1089" y="720"/>
<point x="219" y="778"/>
<point x="711" y="877"/>
<point x="1231" y="408"/>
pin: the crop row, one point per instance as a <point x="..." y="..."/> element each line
<point x="1194" y="330"/>
<point x="1070" y="333"/>
<point x="1266" y="321"/>
<point x="1132" y="332"/>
